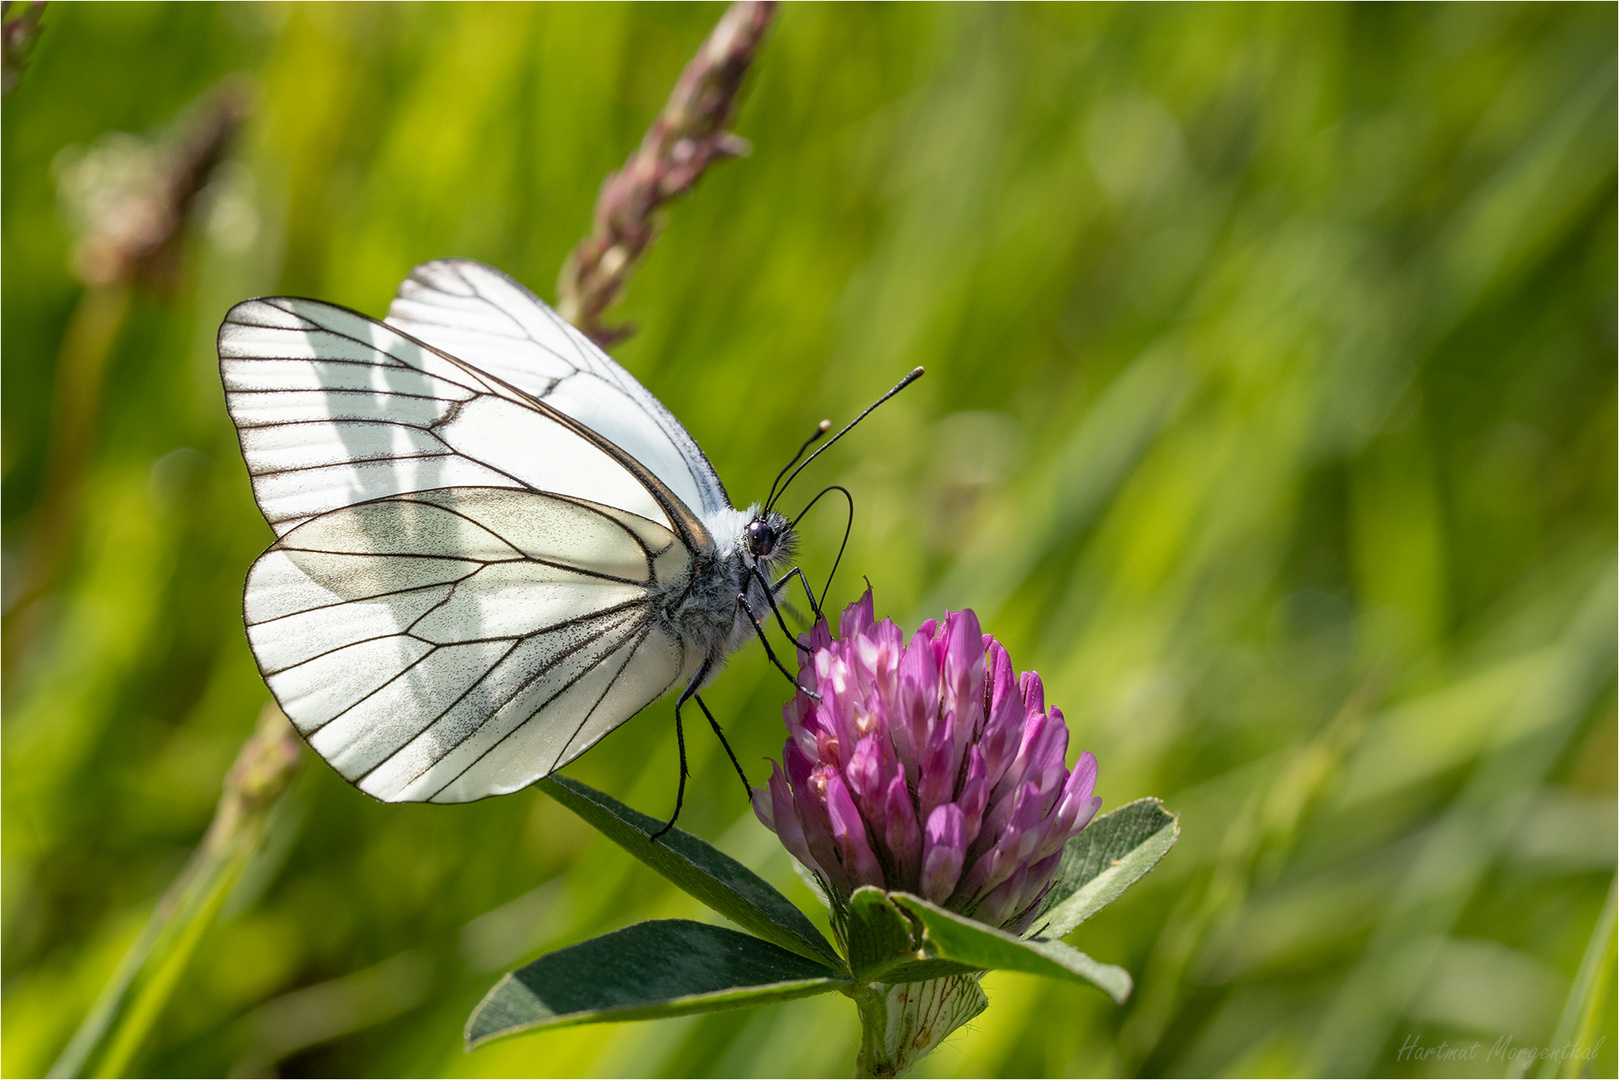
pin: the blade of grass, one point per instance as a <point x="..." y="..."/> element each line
<point x="1581" y="1012"/>
<point x="108" y="1039"/>
<point x="1464" y="842"/>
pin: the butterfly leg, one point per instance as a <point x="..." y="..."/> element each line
<point x="680" y="740"/>
<point x="715" y="724"/>
<point x="742" y="601"/>
<point x="770" y="597"/>
<point x="808" y="592"/>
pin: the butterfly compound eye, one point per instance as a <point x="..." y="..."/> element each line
<point x="761" y="539"/>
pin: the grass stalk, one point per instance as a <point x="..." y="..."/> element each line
<point x="1582" y="1010"/>
<point x="687" y="137"/>
<point x="115" y="1029"/>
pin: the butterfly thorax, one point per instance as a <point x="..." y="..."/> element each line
<point x="704" y="611"/>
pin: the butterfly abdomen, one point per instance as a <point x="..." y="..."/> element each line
<point x="702" y="609"/>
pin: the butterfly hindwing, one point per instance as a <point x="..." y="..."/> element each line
<point x="480" y="315"/>
<point x="450" y="644"/>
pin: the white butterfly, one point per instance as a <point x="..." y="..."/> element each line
<point x="494" y="545"/>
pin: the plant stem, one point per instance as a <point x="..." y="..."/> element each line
<point x="132" y="237"/>
<point x="19" y="32"/>
<point x="901" y="1024"/>
<point x="872" y="1060"/>
<point x="108" y="1039"/>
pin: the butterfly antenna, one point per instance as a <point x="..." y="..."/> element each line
<point x="902" y="384"/>
<point x="820" y="429"/>
<point x="847" y="526"/>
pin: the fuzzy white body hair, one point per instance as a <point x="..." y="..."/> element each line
<point x="703" y="609"/>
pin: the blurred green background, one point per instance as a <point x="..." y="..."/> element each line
<point x="1270" y="415"/>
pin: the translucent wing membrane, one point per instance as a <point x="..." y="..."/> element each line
<point x="333" y="409"/>
<point x="451" y="644"/>
<point x="480" y="315"/>
<point x="465" y="593"/>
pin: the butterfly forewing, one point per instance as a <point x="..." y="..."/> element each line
<point x="334" y="409"/>
<point x="478" y="314"/>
